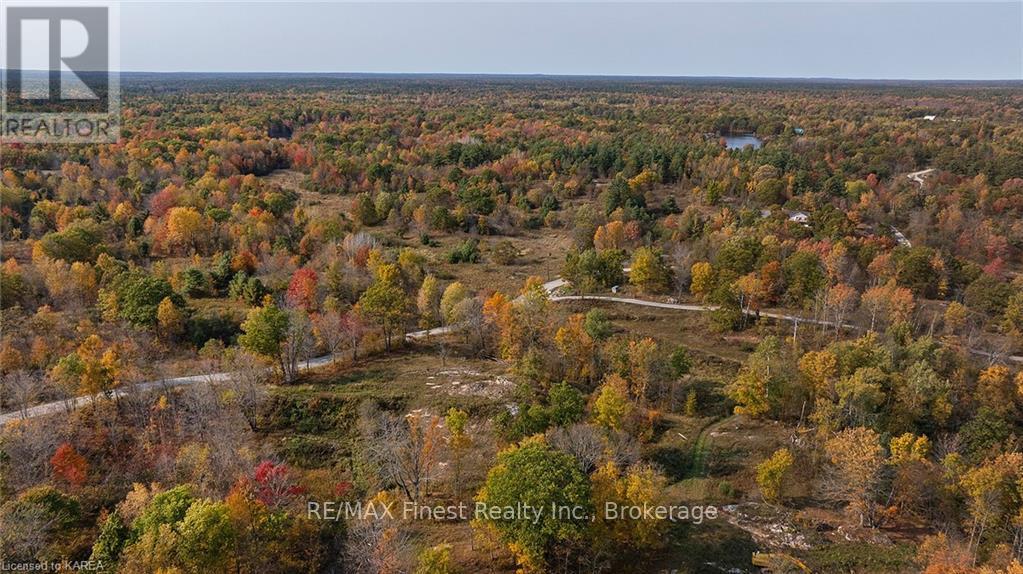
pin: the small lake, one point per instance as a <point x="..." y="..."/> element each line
<point x="739" y="142"/>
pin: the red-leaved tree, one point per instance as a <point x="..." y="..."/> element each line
<point x="302" y="289"/>
<point x="69" y="466"/>
<point x="273" y="484"/>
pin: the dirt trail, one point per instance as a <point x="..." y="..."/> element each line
<point x="551" y="287"/>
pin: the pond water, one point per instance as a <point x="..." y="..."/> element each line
<point x="739" y="142"/>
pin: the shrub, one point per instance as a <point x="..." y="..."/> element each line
<point x="192" y="282"/>
<point x="467" y="252"/>
<point x="504" y="253"/>
<point x="203" y="327"/>
<point x="597" y="324"/>
<point x="680" y="361"/>
<point x="138" y="294"/>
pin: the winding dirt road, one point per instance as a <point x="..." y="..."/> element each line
<point x="551" y="287"/>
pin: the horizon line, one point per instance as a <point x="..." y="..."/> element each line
<point x="535" y="75"/>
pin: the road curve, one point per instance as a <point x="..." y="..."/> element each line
<point x="56" y="407"/>
<point x="73" y="403"/>
<point x="550" y="287"/>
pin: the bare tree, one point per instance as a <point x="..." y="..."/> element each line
<point x="28" y="447"/>
<point x="406" y="451"/>
<point x="681" y="257"/>
<point x="214" y="422"/>
<point x="247" y="383"/>
<point x="470" y="318"/>
<point x="840" y="301"/>
<point x="24" y="530"/>
<point x="584" y="442"/>
<point x="20" y="388"/>
<point x="329" y="330"/>
<point x="298" y="344"/>
<point x="622" y="449"/>
<point x="199" y="408"/>
<point x="211" y="359"/>
<point x="355" y="244"/>
<point x="820" y="311"/>
<point x="134" y="404"/>
<point x="947" y="444"/>
<point x="378" y="547"/>
<point x="352" y="331"/>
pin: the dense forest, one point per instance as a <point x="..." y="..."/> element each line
<point x="277" y="291"/>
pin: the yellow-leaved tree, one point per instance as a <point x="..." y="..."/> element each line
<point x="772" y="472"/>
<point x="612" y="407"/>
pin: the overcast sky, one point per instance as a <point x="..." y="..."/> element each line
<point x="890" y="40"/>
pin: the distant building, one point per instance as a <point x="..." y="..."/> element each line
<point x="930" y="118"/>
<point x="799" y="217"/>
<point x="798" y="131"/>
<point x="900" y="238"/>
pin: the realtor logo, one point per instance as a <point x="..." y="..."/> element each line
<point x="60" y="80"/>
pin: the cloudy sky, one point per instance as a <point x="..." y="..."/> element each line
<point x="890" y="40"/>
